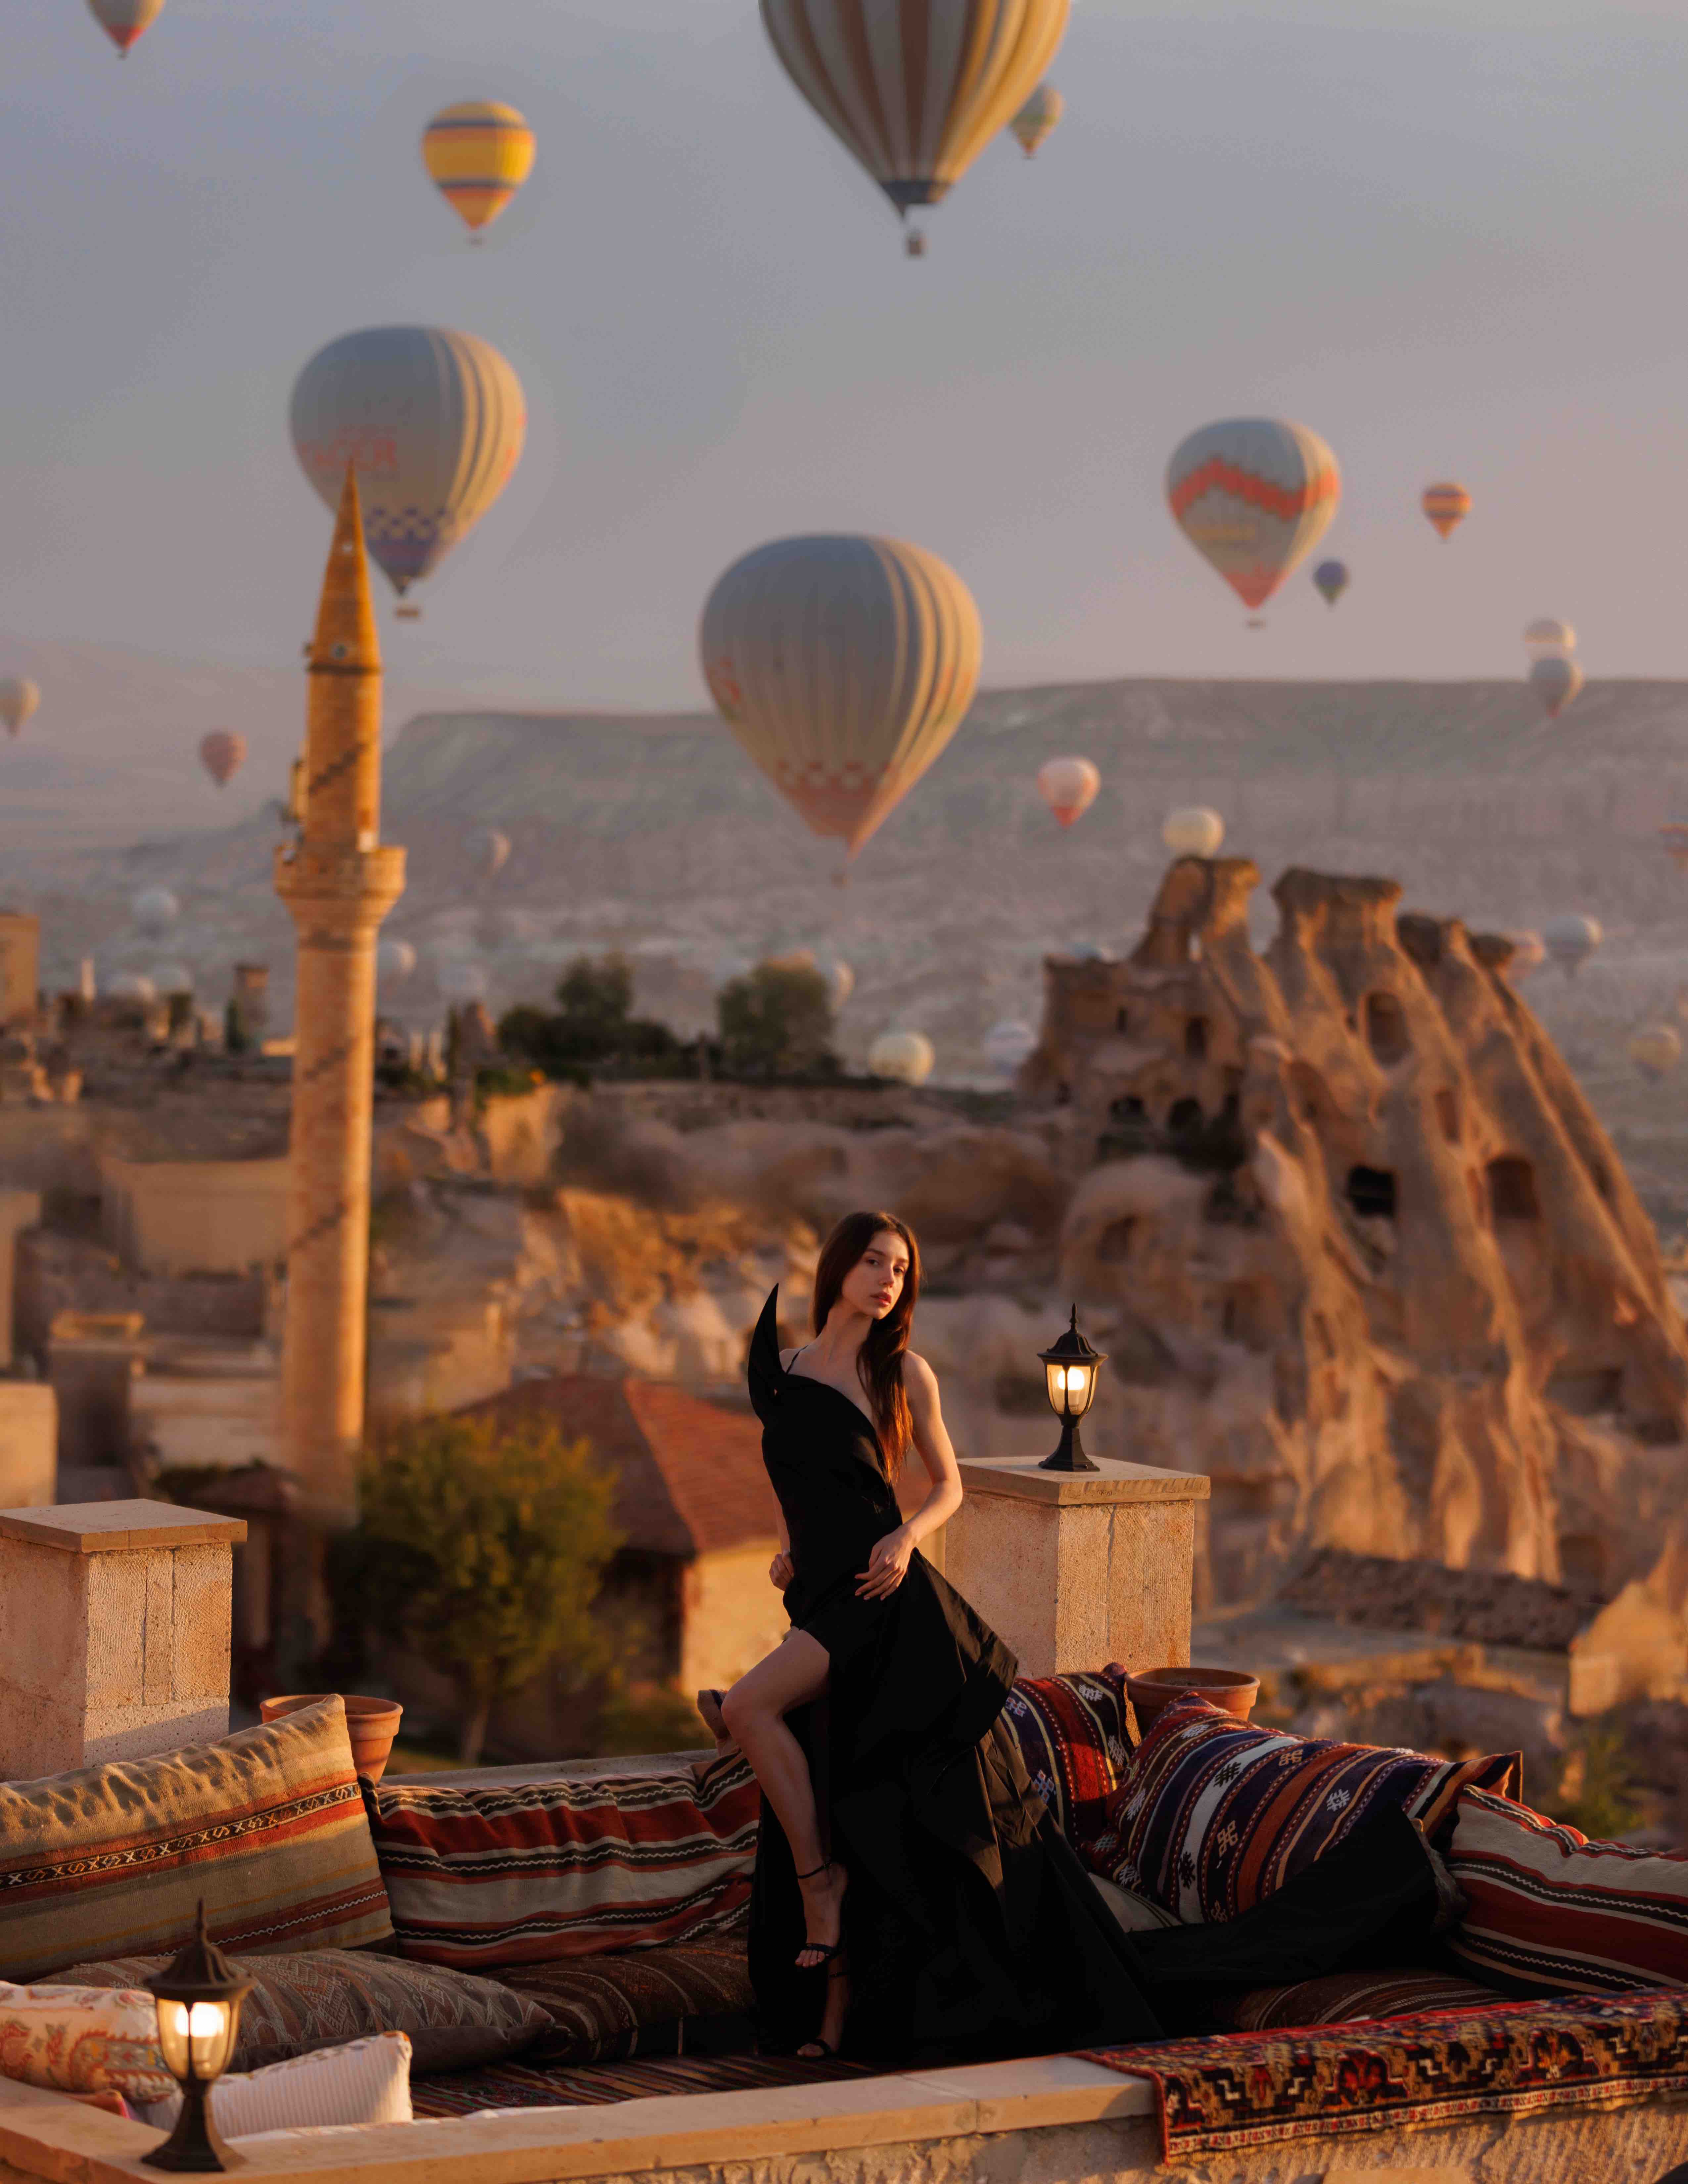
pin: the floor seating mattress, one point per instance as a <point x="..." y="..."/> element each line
<point x="521" y="2085"/>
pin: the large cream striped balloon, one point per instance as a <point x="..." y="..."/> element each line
<point x="844" y="666"/>
<point x="1255" y="495"/>
<point x="434" y="422"/>
<point x="915" y="88"/>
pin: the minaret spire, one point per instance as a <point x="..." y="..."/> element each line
<point x="338" y="882"/>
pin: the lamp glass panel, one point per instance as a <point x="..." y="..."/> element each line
<point x="173" y="2037"/>
<point x="1081" y="1387"/>
<point x="211" y="2033"/>
<point x="1057" y="1376"/>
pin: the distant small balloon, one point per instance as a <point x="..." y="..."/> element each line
<point x="155" y="910"/>
<point x="19" y="698"/>
<point x="1556" y="679"/>
<point x="1655" y="1049"/>
<point x="394" y="960"/>
<point x="1038" y="116"/>
<point x="1008" y="1044"/>
<point x="130" y="986"/>
<point x="478" y="154"/>
<point x="905" y="1057"/>
<point x="1087" y="951"/>
<point x="1549" y="635"/>
<point x="489" y="851"/>
<point x="123" y="20"/>
<point x="1447" y="505"/>
<point x="1527" y="955"/>
<point x="1068" y="786"/>
<point x="172" y="978"/>
<point x="1570" y="940"/>
<point x="222" y="753"/>
<point x="1194" y="831"/>
<point x="1331" y="580"/>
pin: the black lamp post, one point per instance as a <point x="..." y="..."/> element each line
<point x="199" y="1994"/>
<point x="1071" y="1367"/>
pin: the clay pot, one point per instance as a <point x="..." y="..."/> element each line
<point x="371" y="1724"/>
<point x="1154" y="1690"/>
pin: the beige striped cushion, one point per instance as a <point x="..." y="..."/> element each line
<point x="267" y="1825"/>
<point x="366" y="2082"/>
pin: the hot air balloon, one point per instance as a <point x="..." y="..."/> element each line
<point x="1254" y="495"/>
<point x="1556" y="679"/>
<point x="19" y="697"/>
<point x="1068" y="786"/>
<point x="838" y="975"/>
<point x="903" y="1057"/>
<point x="1549" y="635"/>
<point x="130" y="986"/>
<point x="171" y="979"/>
<point x="1331" y="580"/>
<point x="1087" y="951"/>
<point x="1007" y="1043"/>
<point x="1447" y="505"/>
<point x="1655" y="1049"/>
<point x="843" y="665"/>
<point x="478" y="154"/>
<point x="155" y="910"/>
<point x="1528" y="953"/>
<point x="1032" y="123"/>
<point x="394" y="961"/>
<point x="1193" y="830"/>
<point x="222" y="753"/>
<point x="434" y="422"/>
<point x="489" y="852"/>
<point x="916" y="89"/>
<point x="123" y="20"/>
<point x="1571" y="939"/>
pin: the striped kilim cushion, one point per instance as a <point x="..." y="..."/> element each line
<point x="1214" y="1815"/>
<point x="1347" y="1997"/>
<point x="1548" y="1912"/>
<point x="523" y="1872"/>
<point x="1071" y="1735"/>
<point x="267" y="1825"/>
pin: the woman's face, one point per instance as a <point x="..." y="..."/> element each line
<point x="875" y="1282"/>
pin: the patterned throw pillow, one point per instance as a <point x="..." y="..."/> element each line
<point x="642" y="2002"/>
<point x="1072" y="1734"/>
<point x="366" y="2082"/>
<point x="520" y="1873"/>
<point x="1347" y="1997"/>
<point x="299" y="2004"/>
<point x="266" y="1825"/>
<point x="1548" y="1912"/>
<point x="1214" y="1815"/>
<point x="83" y="2039"/>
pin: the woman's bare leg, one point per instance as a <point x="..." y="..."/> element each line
<point x="754" y="1712"/>
<point x="708" y="1704"/>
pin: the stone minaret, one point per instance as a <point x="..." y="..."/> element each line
<point x="338" y="883"/>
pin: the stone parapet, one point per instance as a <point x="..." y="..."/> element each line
<point x="114" y="1632"/>
<point x="1077" y="1568"/>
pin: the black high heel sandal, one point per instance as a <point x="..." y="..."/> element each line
<point x="818" y="2050"/>
<point x="825" y="1950"/>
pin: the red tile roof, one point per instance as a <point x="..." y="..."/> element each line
<point x="689" y="1480"/>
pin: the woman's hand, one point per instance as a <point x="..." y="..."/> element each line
<point x="780" y="1571"/>
<point x="888" y="1565"/>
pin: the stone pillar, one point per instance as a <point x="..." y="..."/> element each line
<point x="19" y="1210"/>
<point x="338" y="883"/>
<point x="1074" y="1570"/>
<point x="114" y="1632"/>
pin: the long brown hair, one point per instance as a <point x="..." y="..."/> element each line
<point x="880" y="1362"/>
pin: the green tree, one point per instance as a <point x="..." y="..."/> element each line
<point x="481" y="1544"/>
<point x="777" y="1021"/>
<point x="594" y="1023"/>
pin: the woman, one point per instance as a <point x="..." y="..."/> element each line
<point x="912" y="1900"/>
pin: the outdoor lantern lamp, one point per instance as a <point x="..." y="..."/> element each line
<point x="1071" y="1366"/>
<point x="199" y="1994"/>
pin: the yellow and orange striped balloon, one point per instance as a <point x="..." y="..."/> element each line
<point x="1447" y="505"/>
<point x="479" y="154"/>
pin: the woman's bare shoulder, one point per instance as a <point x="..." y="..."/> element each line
<point x="918" y="1377"/>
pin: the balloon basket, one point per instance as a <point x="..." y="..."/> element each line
<point x="914" y="245"/>
<point x="407" y="614"/>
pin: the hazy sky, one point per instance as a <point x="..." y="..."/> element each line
<point x="1451" y="237"/>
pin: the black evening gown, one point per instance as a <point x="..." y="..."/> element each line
<point x="971" y="1929"/>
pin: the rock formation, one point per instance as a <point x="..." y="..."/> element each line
<point x="1358" y="1245"/>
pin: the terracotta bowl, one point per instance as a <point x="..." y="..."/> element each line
<point x="1155" y="1689"/>
<point x="372" y="1723"/>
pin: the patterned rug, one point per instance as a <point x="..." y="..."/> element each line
<point x="509" y="2086"/>
<point x="1244" y="2089"/>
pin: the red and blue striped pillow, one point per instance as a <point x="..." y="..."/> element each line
<point x="1072" y="1736"/>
